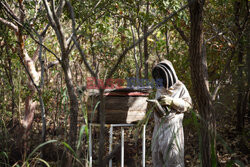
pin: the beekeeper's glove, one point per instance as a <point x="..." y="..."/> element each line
<point x="160" y="110"/>
<point x="178" y="104"/>
<point x="165" y="100"/>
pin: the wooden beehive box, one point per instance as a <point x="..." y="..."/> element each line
<point x="121" y="105"/>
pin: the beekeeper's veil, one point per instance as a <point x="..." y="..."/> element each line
<point x="164" y="74"/>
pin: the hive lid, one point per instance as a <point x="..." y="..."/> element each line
<point x="135" y="91"/>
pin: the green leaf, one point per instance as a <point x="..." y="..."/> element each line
<point x="43" y="161"/>
<point x="41" y="145"/>
<point x="80" y="136"/>
<point x="92" y="113"/>
<point x="69" y="147"/>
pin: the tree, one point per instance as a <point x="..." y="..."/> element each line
<point x="29" y="64"/>
<point x="200" y="86"/>
<point x="65" y="48"/>
<point x="241" y="8"/>
<point x="146" y="54"/>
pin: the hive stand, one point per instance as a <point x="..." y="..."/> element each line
<point x="111" y="126"/>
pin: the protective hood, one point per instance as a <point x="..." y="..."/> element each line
<point x="164" y="72"/>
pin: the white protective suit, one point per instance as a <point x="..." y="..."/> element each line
<point x="168" y="136"/>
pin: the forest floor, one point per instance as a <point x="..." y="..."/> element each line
<point x="233" y="148"/>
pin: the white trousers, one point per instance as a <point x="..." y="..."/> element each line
<point x="168" y="142"/>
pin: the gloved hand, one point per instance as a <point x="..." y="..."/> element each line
<point x="158" y="108"/>
<point x="165" y="100"/>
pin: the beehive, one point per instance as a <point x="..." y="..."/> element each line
<point x="121" y="105"/>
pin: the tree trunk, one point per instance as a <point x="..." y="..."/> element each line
<point x="146" y="45"/>
<point x="101" y="110"/>
<point x="135" y="56"/>
<point x="240" y="83"/>
<point x="248" y="70"/>
<point x="138" y="36"/>
<point x="140" y="51"/>
<point x="11" y="84"/>
<point x="92" y="50"/>
<point x="73" y="101"/>
<point x="208" y="124"/>
<point x="240" y="89"/>
<point x="9" y="74"/>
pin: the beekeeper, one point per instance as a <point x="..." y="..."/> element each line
<point x="174" y="99"/>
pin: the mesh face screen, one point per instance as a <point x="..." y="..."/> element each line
<point x="158" y="73"/>
<point x="166" y="73"/>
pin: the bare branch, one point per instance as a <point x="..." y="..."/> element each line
<point x="135" y="57"/>
<point x="218" y="33"/>
<point x="8" y="9"/>
<point x="56" y="24"/>
<point x="29" y="31"/>
<point x="10" y="13"/>
<point x="70" y="47"/>
<point x="9" y="24"/>
<point x="49" y="13"/>
<point x="41" y="87"/>
<point x="59" y="29"/>
<point x="45" y="47"/>
<point x="58" y="13"/>
<point x="52" y="64"/>
<point x="29" y="74"/>
<point x="36" y="11"/>
<point x="182" y="34"/>
<point x="21" y="10"/>
<point x="72" y="15"/>
<point x="69" y="40"/>
<point x="222" y="76"/>
<point x="246" y="18"/>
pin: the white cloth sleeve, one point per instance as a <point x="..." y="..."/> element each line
<point x="180" y="105"/>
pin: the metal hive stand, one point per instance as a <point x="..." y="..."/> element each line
<point x="122" y="141"/>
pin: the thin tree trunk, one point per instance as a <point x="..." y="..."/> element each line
<point x="135" y="57"/>
<point x="140" y="51"/>
<point x="10" y="78"/>
<point x="138" y="36"/>
<point x="208" y="124"/>
<point x="146" y="55"/>
<point x="33" y="76"/>
<point x="248" y="69"/>
<point x="240" y="83"/>
<point x="101" y="110"/>
<point x="240" y="89"/>
<point x="73" y="101"/>
<point x="12" y="88"/>
<point x="54" y="19"/>
<point x="167" y="40"/>
<point x="39" y="90"/>
<point x="92" y="50"/>
<point x="204" y="64"/>
<point x="1" y="83"/>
